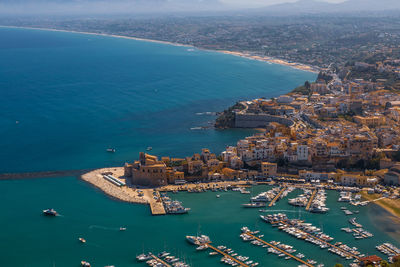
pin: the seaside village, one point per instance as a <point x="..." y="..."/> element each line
<point x="341" y="136"/>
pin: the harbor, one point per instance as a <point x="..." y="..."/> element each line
<point x="206" y="212"/>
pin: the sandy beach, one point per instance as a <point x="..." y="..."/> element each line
<point x="247" y="55"/>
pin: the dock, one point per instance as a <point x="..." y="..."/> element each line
<point x="325" y="242"/>
<point x="226" y="255"/>
<point x="160" y="260"/>
<point x="280" y="250"/>
<point x="156" y="206"/>
<point x="311" y="199"/>
<point x="277" y="197"/>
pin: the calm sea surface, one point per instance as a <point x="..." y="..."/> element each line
<point x="74" y="95"/>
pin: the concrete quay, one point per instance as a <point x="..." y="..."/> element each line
<point x="124" y="193"/>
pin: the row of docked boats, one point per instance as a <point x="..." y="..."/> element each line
<point x="318" y="203"/>
<point x="161" y="260"/>
<point x="173" y="206"/>
<point x="276" y="248"/>
<point x="242" y="190"/>
<point x="358" y="233"/>
<point x="271" y="194"/>
<point x="229" y="256"/>
<point x="388" y="249"/>
<point x="232" y="256"/>
<point x="301" y="200"/>
<point x="356" y="224"/>
<point x="312" y="234"/>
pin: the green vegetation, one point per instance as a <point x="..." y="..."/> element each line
<point x="304" y="89"/>
<point x="227" y="118"/>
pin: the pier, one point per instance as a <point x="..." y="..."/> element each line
<point x="156" y="206"/>
<point x="280" y="250"/>
<point x="160" y="260"/>
<point x="277" y="197"/>
<point x="226" y="255"/>
<point x="323" y="241"/>
<point x="311" y="199"/>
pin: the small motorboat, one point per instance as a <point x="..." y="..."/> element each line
<point x="218" y="196"/>
<point x="82" y="240"/>
<point x="122" y="228"/>
<point x="149" y="148"/>
<point x="85" y="264"/>
<point x="50" y="212"/>
<point x="111" y="150"/>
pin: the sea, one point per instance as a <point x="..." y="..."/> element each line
<point x="67" y="97"/>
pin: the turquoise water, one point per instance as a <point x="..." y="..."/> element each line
<point x="74" y="95"/>
<point x="88" y="213"/>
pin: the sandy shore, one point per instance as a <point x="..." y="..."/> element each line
<point x="295" y="65"/>
<point x="390" y="205"/>
<point x="247" y="55"/>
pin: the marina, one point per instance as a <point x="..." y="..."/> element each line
<point x="162" y="259"/>
<point x="389" y="249"/>
<point x="248" y="235"/>
<point x="312" y="234"/>
<point x="277" y="197"/>
<point x="310" y="200"/>
<point x="229" y="257"/>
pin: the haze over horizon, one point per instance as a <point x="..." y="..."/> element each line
<point x="72" y="7"/>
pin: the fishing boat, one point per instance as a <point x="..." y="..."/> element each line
<point x="111" y="150"/>
<point x="82" y="240"/>
<point x="85" y="264"/>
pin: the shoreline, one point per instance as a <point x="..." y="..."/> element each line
<point x="247" y="55"/>
<point x="387" y="204"/>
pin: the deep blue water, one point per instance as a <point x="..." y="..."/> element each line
<point x="74" y="95"/>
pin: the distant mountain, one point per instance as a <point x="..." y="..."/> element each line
<point x="314" y="6"/>
<point x="104" y="6"/>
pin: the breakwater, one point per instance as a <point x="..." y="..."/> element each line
<point x="42" y="174"/>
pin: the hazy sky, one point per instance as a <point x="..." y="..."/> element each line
<point x="252" y="3"/>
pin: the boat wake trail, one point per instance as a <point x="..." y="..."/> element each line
<point x="104" y="228"/>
